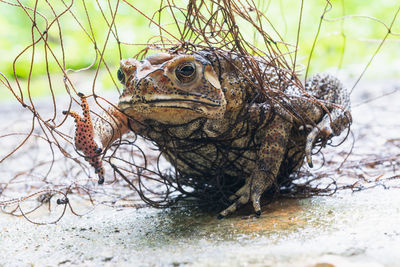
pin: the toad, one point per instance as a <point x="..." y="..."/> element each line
<point x="206" y="113"/>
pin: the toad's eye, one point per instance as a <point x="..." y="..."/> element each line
<point x="186" y="72"/>
<point x="121" y="76"/>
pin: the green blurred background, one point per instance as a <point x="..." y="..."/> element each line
<point x="347" y="44"/>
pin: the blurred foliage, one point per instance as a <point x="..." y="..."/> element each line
<point x="350" y="41"/>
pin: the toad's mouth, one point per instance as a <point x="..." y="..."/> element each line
<point x="158" y="106"/>
<point x="175" y="101"/>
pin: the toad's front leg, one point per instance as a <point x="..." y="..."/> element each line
<point x="91" y="138"/>
<point x="264" y="176"/>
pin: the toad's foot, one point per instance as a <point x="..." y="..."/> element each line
<point x="241" y="197"/>
<point x="84" y="138"/>
<point x="328" y="127"/>
<point x="252" y="190"/>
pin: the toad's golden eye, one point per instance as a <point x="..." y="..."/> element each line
<point x="186" y="72"/>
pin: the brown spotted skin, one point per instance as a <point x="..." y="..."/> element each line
<point x="209" y="121"/>
<point x="84" y="138"/>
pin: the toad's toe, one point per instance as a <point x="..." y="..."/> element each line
<point x="244" y="199"/>
<point x="241" y="197"/>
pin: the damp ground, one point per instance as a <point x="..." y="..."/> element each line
<point x="344" y="230"/>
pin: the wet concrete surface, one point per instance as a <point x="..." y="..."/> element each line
<point x="346" y="229"/>
<point x="359" y="229"/>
